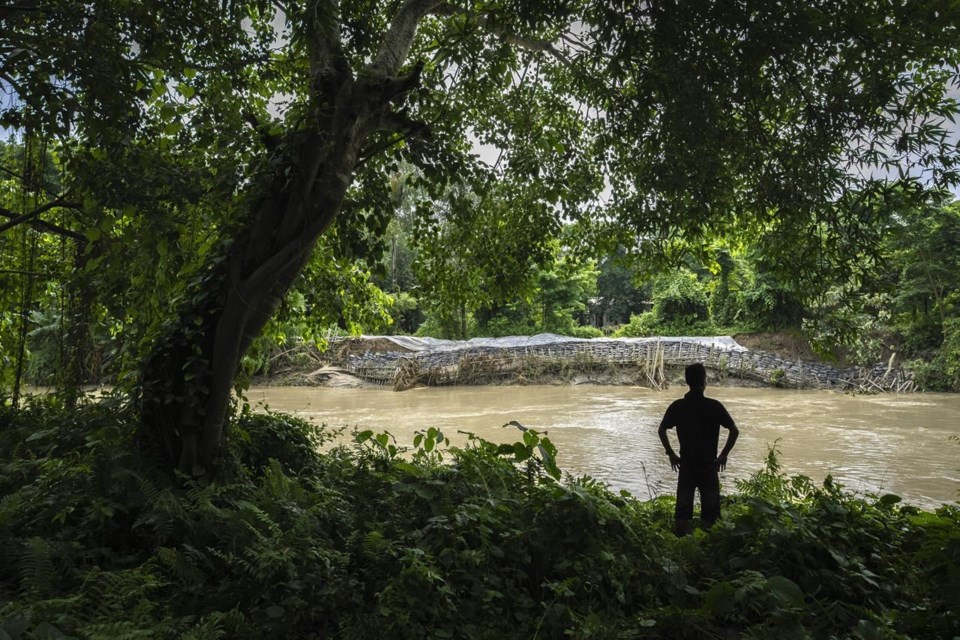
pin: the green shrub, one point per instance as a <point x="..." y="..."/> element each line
<point x="405" y="313"/>
<point x="478" y="542"/>
<point x="942" y="373"/>
<point x="640" y="326"/>
<point x="447" y="328"/>
<point x="927" y="374"/>
<point x="646" y="325"/>
<point x="680" y="298"/>
<point x="257" y="438"/>
<point x="778" y="377"/>
<point x="949" y="356"/>
<point x="769" y="304"/>
<point x="585" y="332"/>
<point x="502" y="325"/>
<point x="679" y="309"/>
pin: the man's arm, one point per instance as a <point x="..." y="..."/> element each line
<point x="732" y="436"/>
<point x="662" y="432"/>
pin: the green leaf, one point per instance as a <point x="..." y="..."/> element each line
<point x="46" y="631"/>
<point x="786" y="590"/>
<point x="92" y="234"/>
<point x="15" y="626"/>
<point x="549" y="462"/>
<point x="505" y="450"/>
<point x="720" y="599"/>
<point x="520" y="452"/>
<point x="168" y="112"/>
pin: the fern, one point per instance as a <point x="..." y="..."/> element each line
<point x="188" y="567"/>
<point x="37" y="574"/>
<point x="218" y="624"/>
<point x="119" y="631"/>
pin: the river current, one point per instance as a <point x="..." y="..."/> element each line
<point x="871" y="444"/>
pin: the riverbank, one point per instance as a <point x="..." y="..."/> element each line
<point x="405" y="362"/>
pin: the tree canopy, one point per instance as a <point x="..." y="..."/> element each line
<point x="203" y="148"/>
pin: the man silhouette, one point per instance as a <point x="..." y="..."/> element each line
<point x="698" y="420"/>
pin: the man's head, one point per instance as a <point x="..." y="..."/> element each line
<point x="696" y="376"/>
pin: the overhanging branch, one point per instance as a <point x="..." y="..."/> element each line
<point x="27" y="181"/>
<point x="42" y="225"/>
<point x="530" y="44"/>
<point x="399" y="38"/>
<point x="398" y="127"/>
<point x="538" y="46"/>
<point x="31" y="215"/>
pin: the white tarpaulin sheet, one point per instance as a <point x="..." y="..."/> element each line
<point x="411" y="343"/>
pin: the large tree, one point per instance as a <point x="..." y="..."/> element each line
<point x="283" y="121"/>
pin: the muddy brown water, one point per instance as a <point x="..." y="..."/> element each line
<point x="872" y="444"/>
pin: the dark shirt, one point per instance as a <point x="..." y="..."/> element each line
<point x="698" y="420"/>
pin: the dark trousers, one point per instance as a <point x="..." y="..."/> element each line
<point x="707" y="480"/>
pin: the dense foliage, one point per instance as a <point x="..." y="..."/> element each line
<point x="481" y="542"/>
<point x="177" y="169"/>
<point x="187" y="183"/>
<point x="905" y="302"/>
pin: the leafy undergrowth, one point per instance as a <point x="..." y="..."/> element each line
<point x="360" y="543"/>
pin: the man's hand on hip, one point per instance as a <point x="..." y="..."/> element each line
<point x="674" y="461"/>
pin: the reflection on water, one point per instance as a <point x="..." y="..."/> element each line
<point x="886" y="443"/>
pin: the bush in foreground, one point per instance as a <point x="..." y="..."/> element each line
<point x="364" y="542"/>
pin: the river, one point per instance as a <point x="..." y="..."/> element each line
<point x="878" y="444"/>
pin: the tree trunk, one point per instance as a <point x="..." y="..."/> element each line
<point x="187" y="379"/>
<point x="74" y="371"/>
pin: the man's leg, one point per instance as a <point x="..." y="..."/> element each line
<point x="683" y="514"/>
<point x="709" y="483"/>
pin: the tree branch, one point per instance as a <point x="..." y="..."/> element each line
<point x="324" y="48"/>
<point x="391" y="89"/>
<point x="11" y="9"/>
<point x="538" y="45"/>
<point x="27" y="217"/>
<point x="35" y="274"/>
<point x="376" y="149"/>
<point x="391" y="123"/>
<point x="270" y="141"/>
<point x="22" y="178"/>
<point x="41" y="225"/>
<point x="399" y="38"/>
<point x="6" y="77"/>
<point x="530" y="44"/>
